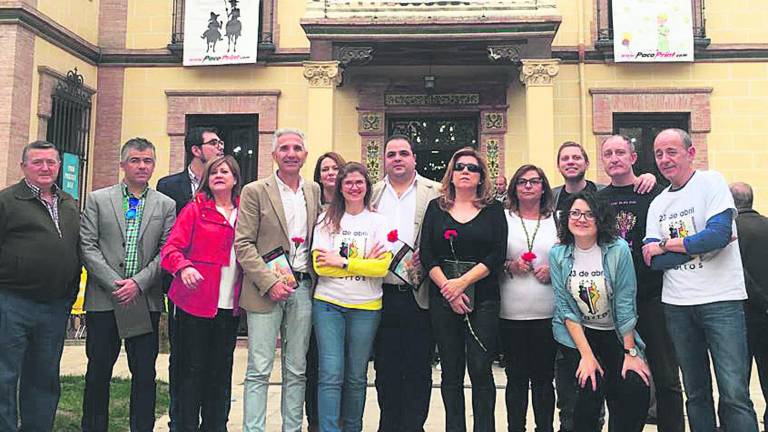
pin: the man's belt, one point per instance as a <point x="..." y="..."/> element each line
<point x="398" y="287"/>
<point x="301" y="276"/>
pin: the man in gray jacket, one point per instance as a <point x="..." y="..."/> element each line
<point x="122" y="230"/>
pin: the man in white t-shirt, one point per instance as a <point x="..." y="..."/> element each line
<point x="689" y="235"/>
<point x="404" y="342"/>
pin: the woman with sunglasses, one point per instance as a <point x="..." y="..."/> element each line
<point x="527" y="300"/>
<point x="199" y="253"/>
<point x="595" y="317"/>
<point x="463" y="244"/>
<point x="350" y="257"/>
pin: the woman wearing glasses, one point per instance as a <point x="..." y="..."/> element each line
<point x="595" y="316"/>
<point x="527" y="300"/>
<point x="463" y="244"/>
<point x="350" y="257"/>
<point x="205" y="290"/>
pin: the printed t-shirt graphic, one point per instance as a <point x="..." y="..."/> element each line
<point x="588" y="287"/>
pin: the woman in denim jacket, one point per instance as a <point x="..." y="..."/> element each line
<point x="595" y="316"/>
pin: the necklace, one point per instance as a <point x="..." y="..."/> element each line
<point x="530" y="239"/>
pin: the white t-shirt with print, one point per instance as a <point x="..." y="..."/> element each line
<point x="523" y="297"/>
<point x="591" y="290"/>
<point x="357" y="237"/>
<point x="712" y="277"/>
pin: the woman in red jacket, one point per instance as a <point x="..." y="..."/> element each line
<point x="199" y="253"/>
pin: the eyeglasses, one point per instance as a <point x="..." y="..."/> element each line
<point x="535" y="181"/>
<point x="577" y="214"/>
<point x="133" y="204"/>
<point x="473" y="168"/>
<point x="215" y="142"/>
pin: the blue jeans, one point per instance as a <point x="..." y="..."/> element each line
<point x="344" y="344"/>
<point x="292" y="319"/>
<point x="31" y="341"/>
<point x="719" y="328"/>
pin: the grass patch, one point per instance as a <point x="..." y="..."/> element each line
<point x="70" y="409"/>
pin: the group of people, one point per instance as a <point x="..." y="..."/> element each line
<point x="603" y="290"/>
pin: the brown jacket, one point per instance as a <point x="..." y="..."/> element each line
<point x="262" y="227"/>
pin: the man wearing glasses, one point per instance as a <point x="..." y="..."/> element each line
<point x="122" y="230"/>
<point x="631" y="209"/>
<point x="39" y="276"/>
<point x="201" y="144"/>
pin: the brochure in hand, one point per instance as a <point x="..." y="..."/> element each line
<point x="277" y="261"/>
<point x="453" y="269"/>
<point x="403" y="267"/>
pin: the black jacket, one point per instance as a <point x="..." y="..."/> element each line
<point x="177" y="187"/>
<point x="752" y="230"/>
<point x="34" y="261"/>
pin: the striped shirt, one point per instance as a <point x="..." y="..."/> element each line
<point x="51" y="206"/>
<point x="132" y="225"/>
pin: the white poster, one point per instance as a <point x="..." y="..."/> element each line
<point x="219" y="32"/>
<point x="652" y="31"/>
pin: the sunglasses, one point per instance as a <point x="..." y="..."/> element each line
<point x="473" y="168"/>
<point x="133" y="204"/>
<point x="577" y="214"/>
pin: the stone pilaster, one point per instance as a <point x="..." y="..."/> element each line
<point x="323" y="77"/>
<point x="538" y="77"/>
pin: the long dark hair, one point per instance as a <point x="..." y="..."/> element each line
<point x="604" y="218"/>
<point x="547" y="202"/>
<point x="338" y="206"/>
<point x="212" y="165"/>
<point x="339" y="163"/>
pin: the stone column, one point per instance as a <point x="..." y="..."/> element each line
<point x="323" y="77"/>
<point x="538" y="76"/>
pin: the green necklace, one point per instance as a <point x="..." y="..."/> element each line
<point x="530" y="239"/>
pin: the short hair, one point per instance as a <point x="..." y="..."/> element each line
<point x="38" y="145"/>
<point x="605" y="219"/>
<point x="743" y="196"/>
<point x="138" y="144"/>
<point x="215" y="163"/>
<point x="484" y="194"/>
<point x="194" y="137"/>
<point x="398" y="137"/>
<point x="624" y="138"/>
<point x="572" y="144"/>
<point x="547" y="202"/>
<point x="685" y="137"/>
<point x="288" y="131"/>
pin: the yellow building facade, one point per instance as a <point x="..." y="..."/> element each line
<point x="514" y="78"/>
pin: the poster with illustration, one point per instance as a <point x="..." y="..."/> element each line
<point x="652" y="31"/>
<point x="220" y="32"/>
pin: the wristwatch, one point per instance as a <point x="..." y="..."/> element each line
<point x="632" y="351"/>
<point x="663" y="245"/>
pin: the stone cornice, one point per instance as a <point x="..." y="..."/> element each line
<point x="322" y="73"/>
<point x="539" y="72"/>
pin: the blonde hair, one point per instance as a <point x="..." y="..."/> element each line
<point x="484" y="194"/>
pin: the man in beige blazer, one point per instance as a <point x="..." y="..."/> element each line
<point x="404" y="342"/>
<point x="277" y="212"/>
<point x="122" y="230"/>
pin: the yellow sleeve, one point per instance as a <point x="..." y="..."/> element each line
<point x="356" y="267"/>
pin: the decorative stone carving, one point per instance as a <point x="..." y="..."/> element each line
<point x="493" y="121"/>
<point x="373" y="159"/>
<point x="355" y="55"/>
<point x="492" y="155"/>
<point x="504" y="53"/>
<point x="437" y="99"/>
<point x="370" y="121"/>
<point x="322" y="73"/>
<point x="539" y="72"/>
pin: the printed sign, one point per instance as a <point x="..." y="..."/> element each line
<point x="70" y="174"/>
<point x="652" y="31"/>
<point x="220" y="32"/>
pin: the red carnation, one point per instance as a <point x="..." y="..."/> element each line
<point x="297" y="241"/>
<point x="528" y="256"/>
<point x="392" y="236"/>
<point x="450" y="234"/>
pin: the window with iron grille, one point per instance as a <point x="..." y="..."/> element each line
<point x="69" y="130"/>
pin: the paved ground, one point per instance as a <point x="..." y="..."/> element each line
<point x="74" y="363"/>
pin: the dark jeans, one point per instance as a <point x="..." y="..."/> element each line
<point x="205" y="348"/>
<point x="717" y="329"/>
<point x="403" y="362"/>
<point x="627" y="398"/>
<point x="529" y="350"/>
<point x="31" y="341"/>
<point x="568" y="391"/>
<point x="102" y="346"/>
<point x="458" y="349"/>
<point x="173" y="400"/>
<point x="757" y="339"/>
<point x="663" y="364"/>
<point x="310" y="393"/>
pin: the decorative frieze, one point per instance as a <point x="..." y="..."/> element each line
<point x="435" y="99"/>
<point x="493" y="121"/>
<point x="504" y="53"/>
<point x="539" y="72"/>
<point x="492" y="155"/>
<point x="322" y="73"/>
<point x="371" y="121"/>
<point x="373" y="159"/>
<point x="355" y="55"/>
